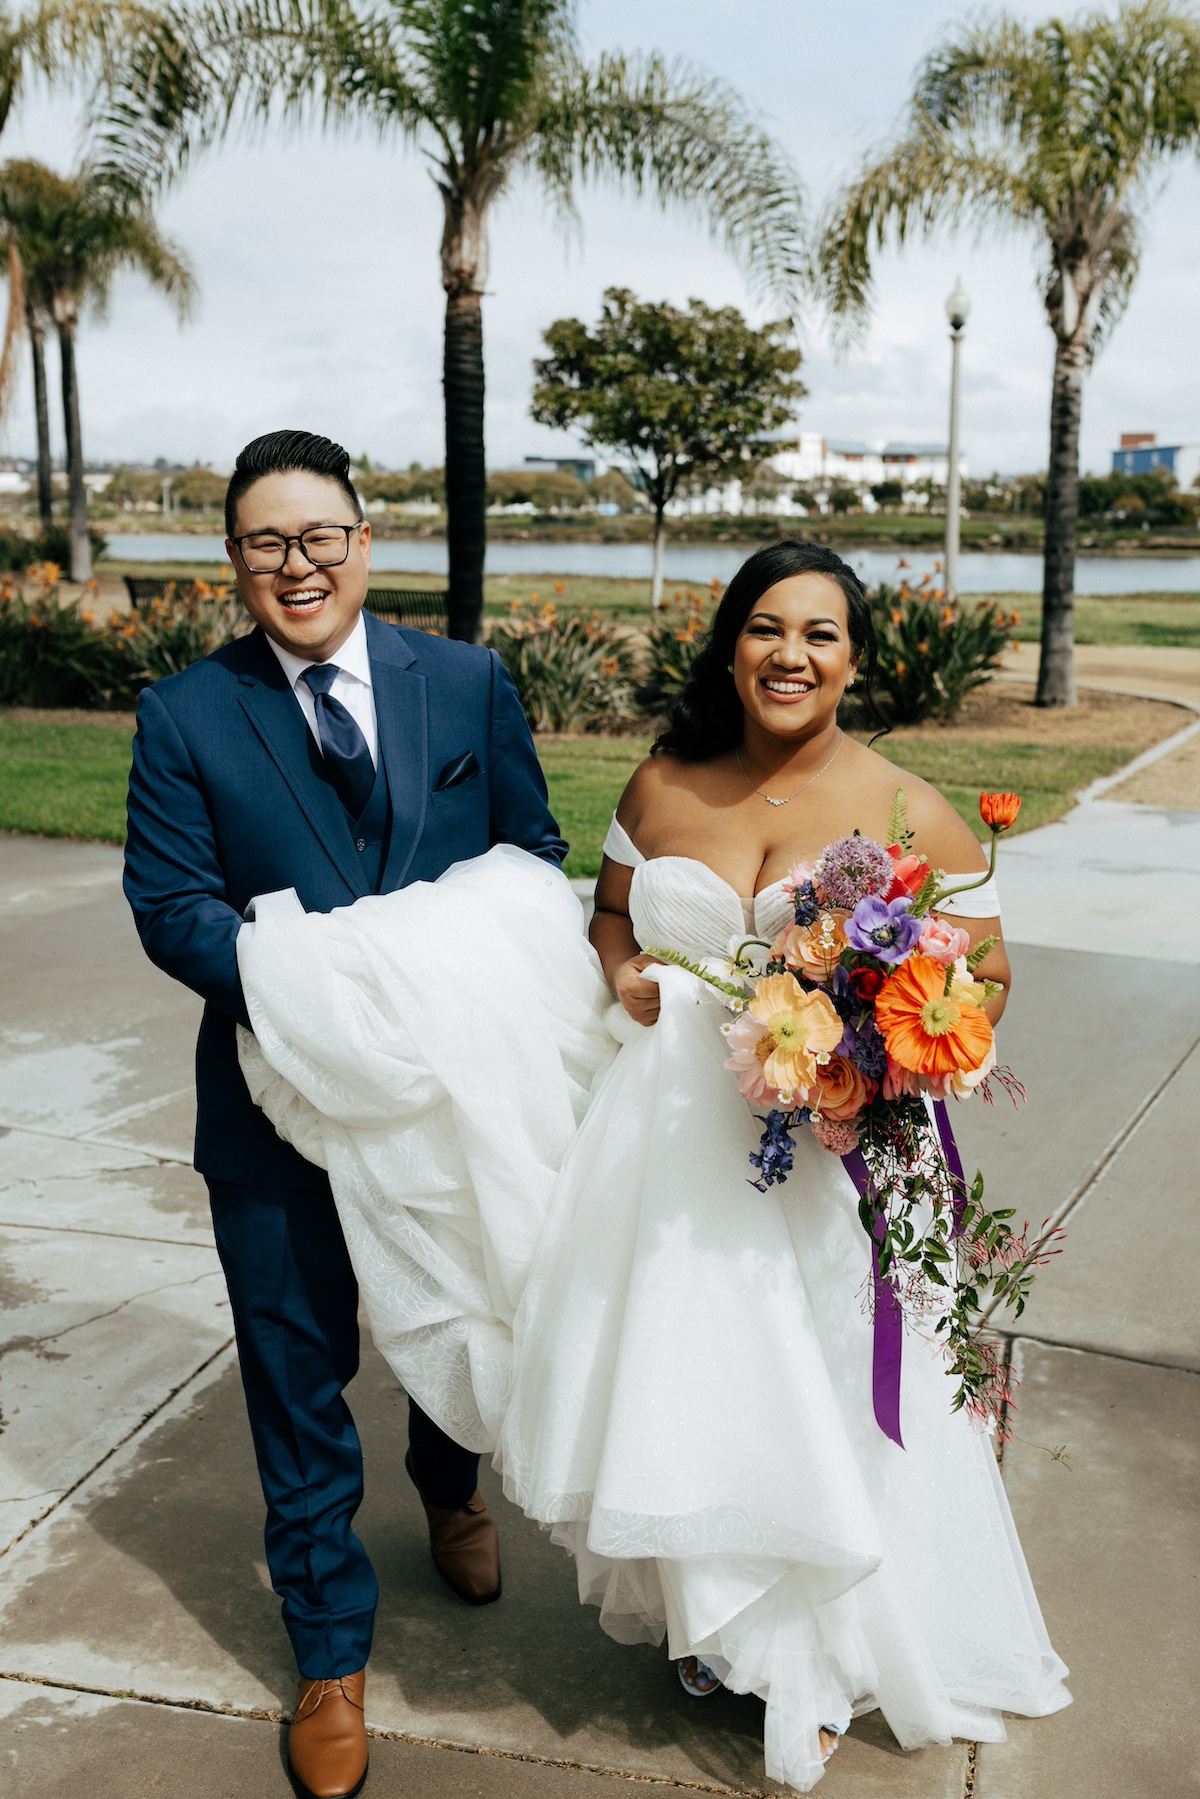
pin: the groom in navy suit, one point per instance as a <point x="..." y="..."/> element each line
<point x="341" y="756"/>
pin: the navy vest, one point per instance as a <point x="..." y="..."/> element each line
<point x="372" y="829"/>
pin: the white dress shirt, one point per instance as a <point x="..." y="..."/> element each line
<point x="352" y="685"/>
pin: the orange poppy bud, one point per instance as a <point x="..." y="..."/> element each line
<point x="999" y="810"/>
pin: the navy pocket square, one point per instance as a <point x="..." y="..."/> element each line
<point x="462" y="768"/>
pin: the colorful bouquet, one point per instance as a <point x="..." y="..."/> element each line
<point x="860" y="1021"/>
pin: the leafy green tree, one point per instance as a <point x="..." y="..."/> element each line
<point x="1061" y="129"/>
<point x="687" y="396"/>
<point x="488" y="90"/>
<point x="72" y="234"/>
<point x="887" y="493"/>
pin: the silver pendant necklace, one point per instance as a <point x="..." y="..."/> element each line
<point x="791" y="796"/>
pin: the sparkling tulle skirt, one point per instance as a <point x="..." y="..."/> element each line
<point x="692" y="1419"/>
<point x="563" y="1261"/>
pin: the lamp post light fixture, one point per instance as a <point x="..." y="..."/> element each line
<point x="958" y="307"/>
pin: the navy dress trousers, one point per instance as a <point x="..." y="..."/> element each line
<point x="230" y="797"/>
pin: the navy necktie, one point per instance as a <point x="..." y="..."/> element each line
<point x="347" y="758"/>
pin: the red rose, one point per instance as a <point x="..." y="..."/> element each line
<point x="866" y="982"/>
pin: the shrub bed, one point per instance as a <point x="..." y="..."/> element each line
<point x="55" y="655"/>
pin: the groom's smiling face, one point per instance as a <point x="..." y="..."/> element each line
<point x="308" y="607"/>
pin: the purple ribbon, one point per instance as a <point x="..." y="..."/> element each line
<point x="889" y="1320"/>
<point x="888" y="1344"/>
<point x="958" y="1180"/>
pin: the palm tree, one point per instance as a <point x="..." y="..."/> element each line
<point x="72" y="235"/>
<point x="487" y="89"/>
<point x="57" y="38"/>
<point x="1061" y="128"/>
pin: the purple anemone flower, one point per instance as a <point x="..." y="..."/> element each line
<point x="883" y="928"/>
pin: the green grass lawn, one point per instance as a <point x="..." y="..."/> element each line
<point x="68" y="780"/>
<point x="1171" y="619"/>
<point x="64" y="780"/>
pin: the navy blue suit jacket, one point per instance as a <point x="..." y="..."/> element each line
<point x="227" y="801"/>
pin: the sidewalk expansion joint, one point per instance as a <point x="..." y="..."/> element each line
<point x="1113" y="1150"/>
<point x="1109" y="1355"/>
<point x="972" y="1769"/>
<point x="133" y="1431"/>
<point x="84" y="1230"/>
<point x="260" y="1715"/>
<point x="155" y="1154"/>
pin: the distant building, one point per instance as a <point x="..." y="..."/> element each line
<point x="1141" y="453"/>
<point x="809" y="457"/>
<point x="582" y="467"/>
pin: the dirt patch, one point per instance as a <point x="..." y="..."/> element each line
<point x="1004" y="712"/>
<point x="1174" y="781"/>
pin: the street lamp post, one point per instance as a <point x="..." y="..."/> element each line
<point x="957" y="308"/>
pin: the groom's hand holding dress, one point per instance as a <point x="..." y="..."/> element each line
<point x="340" y="756"/>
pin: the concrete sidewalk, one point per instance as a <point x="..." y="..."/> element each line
<point x="141" y="1646"/>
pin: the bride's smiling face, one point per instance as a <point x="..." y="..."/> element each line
<point x="794" y="660"/>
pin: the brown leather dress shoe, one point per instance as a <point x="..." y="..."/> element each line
<point x="327" y="1742"/>
<point x="464" y="1544"/>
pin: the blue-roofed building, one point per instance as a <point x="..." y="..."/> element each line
<point x="1141" y="454"/>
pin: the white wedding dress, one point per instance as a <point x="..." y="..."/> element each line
<point x="673" y="1369"/>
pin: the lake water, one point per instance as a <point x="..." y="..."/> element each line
<point x="698" y="564"/>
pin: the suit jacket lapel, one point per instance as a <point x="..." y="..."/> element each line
<point x="274" y="712"/>
<point x="400" y="710"/>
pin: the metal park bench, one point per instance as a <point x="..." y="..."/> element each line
<point x="420" y="608"/>
<point x="142" y="589"/>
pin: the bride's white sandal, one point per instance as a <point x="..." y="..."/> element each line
<point x="696" y="1677"/>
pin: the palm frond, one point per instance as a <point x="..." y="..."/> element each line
<point x="687" y="139"/>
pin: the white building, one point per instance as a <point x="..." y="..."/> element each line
<point x="810" y="459"/>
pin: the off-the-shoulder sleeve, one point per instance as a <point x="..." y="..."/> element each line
<point x="620" y="847"/>
<point x="977" y="902"/>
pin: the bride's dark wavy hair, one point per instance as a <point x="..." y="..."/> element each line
<point x="706" y="719"/>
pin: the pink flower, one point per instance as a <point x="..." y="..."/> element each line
<point x="838" y="1136"/>
<point x="743" y="1037"/>
<point x="899" y="1082"/>
<point x="943" y="942"/>
<point x="796" y="877"/>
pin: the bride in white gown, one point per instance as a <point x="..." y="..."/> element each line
<point x="676" y="1381"/>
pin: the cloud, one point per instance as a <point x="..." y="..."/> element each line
<point x="321" y="302"/>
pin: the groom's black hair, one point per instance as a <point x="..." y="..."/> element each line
<point x="278" y="452"/>
<point x="706" y="719"/>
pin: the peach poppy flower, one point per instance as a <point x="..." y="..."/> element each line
<point x="842" y="1089"/>
<point x="926" y="1029"/>
<point x="797" y="1028"/>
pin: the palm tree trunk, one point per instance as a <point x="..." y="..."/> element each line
<point x="466" y="465"/>
<point x="81" y="548"/>
<point x="41" y="409"/>
<point x="1056" y="669"/>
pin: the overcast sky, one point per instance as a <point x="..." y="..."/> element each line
<point x="321" y="304"/>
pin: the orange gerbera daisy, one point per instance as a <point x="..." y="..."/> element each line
<point x="927" y="1029"/>
<point x="798" y="1027"/>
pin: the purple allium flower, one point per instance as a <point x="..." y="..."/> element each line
<point x="883" y="928"/>
<point x="852" y="869"/>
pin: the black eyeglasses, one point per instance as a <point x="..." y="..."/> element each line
<point x="265" y="552"/>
